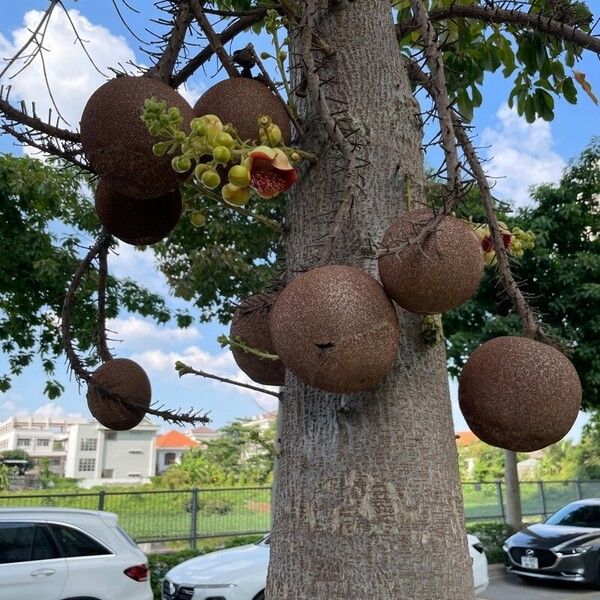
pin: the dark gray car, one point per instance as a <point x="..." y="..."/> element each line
<point x="565" y="547"/>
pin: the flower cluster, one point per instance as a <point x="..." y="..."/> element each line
<point x="214" y="150"/>
<point x="515" y="241"/>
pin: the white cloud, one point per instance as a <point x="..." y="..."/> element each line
<point x="520" y="155"/>
<point x="142" y="332"/>
<point x="53" y="410"/>
<point x="71" y="76"/>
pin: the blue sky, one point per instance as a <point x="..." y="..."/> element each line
<point x="519" y="154"/>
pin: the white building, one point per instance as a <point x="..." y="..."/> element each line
<point x="262" y="422"/>
<point x="203" y="434"/>
<point x="39" y="437"/>
<point x="84" y="449"/>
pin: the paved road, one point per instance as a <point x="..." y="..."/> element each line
<point x="510" y="587"/>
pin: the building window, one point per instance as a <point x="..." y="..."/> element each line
<point x="87" y="464"/>
<point x="88" y="444"/>
<point x="107" y="473"/>
<point x="170" y="458"/>
<point x="4" y="444"/>
<point x="111" y="435"/>
<point x="136" y="432"/>
<point x="135" y="452"/>
<point x="55" y="462"/>
<point x="134" y="475"/>
<point x="42" y="442"/>
<point x="58" y="446"/>
<point x="23" y="442"/>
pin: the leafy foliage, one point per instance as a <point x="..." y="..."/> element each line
<point x="45" y="220"/>
<point x="240" y="456"/>
<point x="562" y="274"/>
<point x="230" y="257"/>
<point x="492" y="536"/>
<point x="534" y="59"/>
<point x="18" y="454"/>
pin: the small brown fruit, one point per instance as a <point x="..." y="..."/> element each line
<point x="335" y="328"/>
<point x="241" y="101"/>
<point x="442" y="274"/>
<point x="127" y="379"/>
<point x="251" y="323"/>
<point x="519" y="394"/>
<point x="137" y="222"/>
<point x="117" y="143"/>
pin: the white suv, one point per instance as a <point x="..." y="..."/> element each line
<point x="67" y="554"/>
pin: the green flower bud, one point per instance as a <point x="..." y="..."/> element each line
<point x="180" y="137"/>
<point x="174" y="113"/>
<point x="234" y="195"/>
<point x="210" y="179"/>
<point x="198" y="126"/>
<point x="224" y="139"/>
<point x="221" y="154"/>
<point x="201" y="169"/>
<point x="197" y="218"/>
<point x="160" y="148"/>
<point x="182" y="163"/>
<point x="265" y="55"/>
<point x="239" y="176"/>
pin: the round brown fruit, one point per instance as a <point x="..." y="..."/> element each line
<point x="137" y="222"/>
<point x="127" y="379"/>
<point x="251" y="323"/>
<point x="117" y="143"/>
<point x="335" y="329"/>
<point x="241" y="101"/>
<point x="442" y="274"/>
<point x="519" y="394"/>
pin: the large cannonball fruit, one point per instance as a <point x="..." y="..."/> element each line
<point x="127" y="379"/>
<point x="137" y="222"/>
<point x="117" y="143"/>
<point x="442" y="274"/>
<point x="519" y="394"/>
<point x="251" y="323"/>
<point x="241" y="101"/>
<point x="335" y="329"/>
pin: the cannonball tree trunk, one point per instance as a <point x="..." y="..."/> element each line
<point x="367" y="500"/>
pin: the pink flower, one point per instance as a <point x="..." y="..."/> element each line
<point x="270" y="171"/>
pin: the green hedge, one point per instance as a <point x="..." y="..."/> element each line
<point x="160" y="564"/>
<point x="492" y="535"/>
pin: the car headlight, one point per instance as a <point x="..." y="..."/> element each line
<point x="214" y="586"/>
<point x="574" y="551"/>
<point x="507" y="545"/>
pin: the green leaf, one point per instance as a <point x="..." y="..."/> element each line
<point x="569" y="90"/>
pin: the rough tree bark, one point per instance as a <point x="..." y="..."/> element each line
<point x="514" y="513"/>
<point x="367" y="495"/>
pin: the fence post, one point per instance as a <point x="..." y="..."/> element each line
<point x="579" y="490"/>
<point x="543" y="498"/>
<point x="501" y="500"/>
<point x="193" y="523"/>
<point x="101" y="495"/>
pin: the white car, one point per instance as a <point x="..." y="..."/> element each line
<point x="241" y="573"/>
<point x="67" y="554"/>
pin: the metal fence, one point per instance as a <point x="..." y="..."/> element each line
<point x="192" y="515"/>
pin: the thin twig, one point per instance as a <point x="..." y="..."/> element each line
<point x="184" y="369"/>
<point x="103" y="350"/>
<point x="163" y="69"/>
<point x="441" y="100"/>
<point x="271" y="84"/>
<point x="213" y="39"/>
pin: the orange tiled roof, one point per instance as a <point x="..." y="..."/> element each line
<point x="466" y="438"/>
<point x="174" y="439"/>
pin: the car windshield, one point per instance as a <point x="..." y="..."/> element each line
<point x="577" y="515"/>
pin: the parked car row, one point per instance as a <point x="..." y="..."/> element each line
<point x="67" y="554"/>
